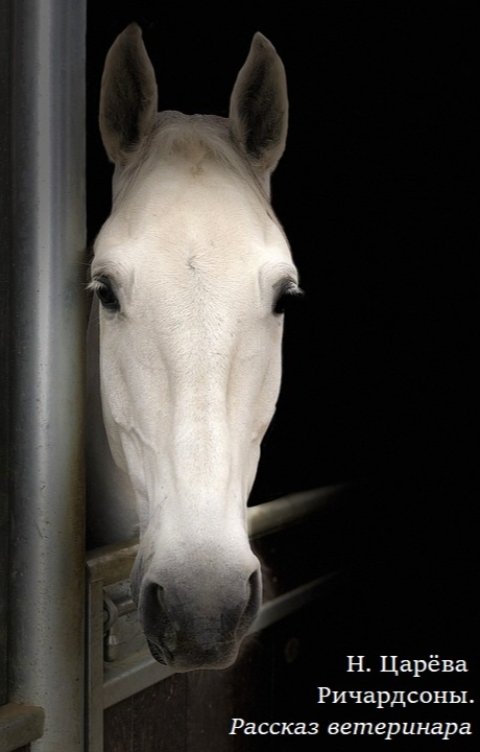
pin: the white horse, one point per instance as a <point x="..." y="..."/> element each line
<point x="191" y="273"/>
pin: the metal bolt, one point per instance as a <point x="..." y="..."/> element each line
<point x="111" y="646"/>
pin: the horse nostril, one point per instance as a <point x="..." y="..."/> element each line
<point x="160" y="596"/>
<point x="153" y="604"/>
<point x="157" y="624"/>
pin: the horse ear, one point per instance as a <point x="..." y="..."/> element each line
<point x="128" y="98"/>
<point x="259" y="105"/>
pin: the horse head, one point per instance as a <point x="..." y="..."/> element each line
<point x="192" y="271"/>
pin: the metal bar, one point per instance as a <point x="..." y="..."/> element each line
<point x="46" y="662"/>
<point x="19" y="725"/>
<point x="139" y="671"/>
<point x="276" y="515"/>
<point x="5" y="243"/>
<point x="112" y="563"/>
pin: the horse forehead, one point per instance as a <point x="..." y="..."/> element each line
<point x="191" y="231"/>
<point x="184" y="241"/>
<point x="182" y="204"/>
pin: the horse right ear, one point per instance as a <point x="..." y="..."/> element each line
<point x="128" y="98"/>
<point x="259" y="106"/>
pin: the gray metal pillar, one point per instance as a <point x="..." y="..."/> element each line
<point x="46" y="661"/>
<point x="5" y="242"/>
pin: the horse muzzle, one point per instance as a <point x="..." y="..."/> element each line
<point x="198" y="618"/>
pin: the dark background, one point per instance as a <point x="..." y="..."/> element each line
<point x="375" y="192"/>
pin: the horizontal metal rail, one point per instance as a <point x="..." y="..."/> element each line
<point x="114" y="563"/>
<point x="19" y="725"/>
<point x="273" y="516"/>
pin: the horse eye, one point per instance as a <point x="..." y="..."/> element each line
<point x="287" y="293"/>
<point x="106" y="295"/>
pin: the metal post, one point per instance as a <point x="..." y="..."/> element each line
<point x="46" y="662"/>
<point x="5" y="241"/>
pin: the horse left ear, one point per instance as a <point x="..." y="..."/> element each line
<point x="128" y="98"/>
<point x="259" y="105"/>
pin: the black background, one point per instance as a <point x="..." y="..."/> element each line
<point x="376" y="195"/>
